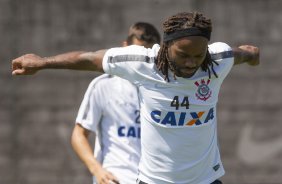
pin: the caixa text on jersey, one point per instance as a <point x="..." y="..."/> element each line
<point x="129" y="131"/>
<point x="175" y="118"/>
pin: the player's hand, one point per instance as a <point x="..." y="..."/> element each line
<point x="27" y="64"/>
<point x="105" y="177"/>
<point x="252" y="54"/>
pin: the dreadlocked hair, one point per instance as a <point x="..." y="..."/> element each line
<point x="179" y="22"/>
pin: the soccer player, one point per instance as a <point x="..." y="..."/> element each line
<point x="110" y="109"/>
<point x="178" y="84"/>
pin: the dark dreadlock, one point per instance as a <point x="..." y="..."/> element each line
<point x="180" y="22"/>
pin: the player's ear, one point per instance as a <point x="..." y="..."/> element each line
<point x="124" y="43"/>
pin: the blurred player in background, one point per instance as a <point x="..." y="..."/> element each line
<point x="110" y="109"/>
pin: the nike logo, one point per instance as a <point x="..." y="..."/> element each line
<point x="254" y="152"/>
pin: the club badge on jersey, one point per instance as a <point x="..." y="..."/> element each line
<point x="203" y="92"/>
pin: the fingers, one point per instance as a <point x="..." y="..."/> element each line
<point x="109" y="181"/>
<point x="253" y="54"/>
<point x="106" y="177"/>
<point x="113" y="182"/>
<point x="256" y="57"/>
<point x="17" y="66"/>
<point x="18" y="72"/>
<point x="112" y="179"/>
<point x="25" y="65"/>
<point x="16" y="63"/>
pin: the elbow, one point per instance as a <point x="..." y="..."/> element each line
<point x="73" y="139"/>
<point x="91" y="61"/>
<point x="75" y="136"/>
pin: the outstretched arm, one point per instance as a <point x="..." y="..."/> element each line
<point x="29" y="64"/>
<point x="83" y="149"/>
<point x="246" y="54"/>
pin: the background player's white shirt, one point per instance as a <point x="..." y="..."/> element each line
<point x="110" y="108"/>
<point x="179" y="134"/>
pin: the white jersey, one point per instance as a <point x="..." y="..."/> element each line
<point x="178" y="118"/>
<point x="110" y="108"/>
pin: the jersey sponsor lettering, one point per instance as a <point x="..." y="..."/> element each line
<point x="131" y="131"/>
<point x="172" y="118"/>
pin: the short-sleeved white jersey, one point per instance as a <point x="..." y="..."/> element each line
<point x="178" y="118"/>
<point x="110" y="108"/>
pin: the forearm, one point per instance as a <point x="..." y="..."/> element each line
<point x="29" y="64"/>
<point x="84" y="151"/>
<point x="240" y="56"/>
<point x="246" y="54"/>
<point x="77" y="60"/>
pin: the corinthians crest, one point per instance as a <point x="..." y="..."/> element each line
<point x="203" y="92"/>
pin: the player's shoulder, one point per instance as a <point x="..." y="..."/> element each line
<point x="155" y="49"/>
<point x="134" y="50"/>
<point x="218" y="47"/>
<point x="220" y="50"/>
<point x="99" y="80"/>
<point x="149" y="52"/>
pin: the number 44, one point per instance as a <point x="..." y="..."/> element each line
<point x="184" y="103"/>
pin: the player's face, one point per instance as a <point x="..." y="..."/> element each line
<point x="188" y="54"/>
